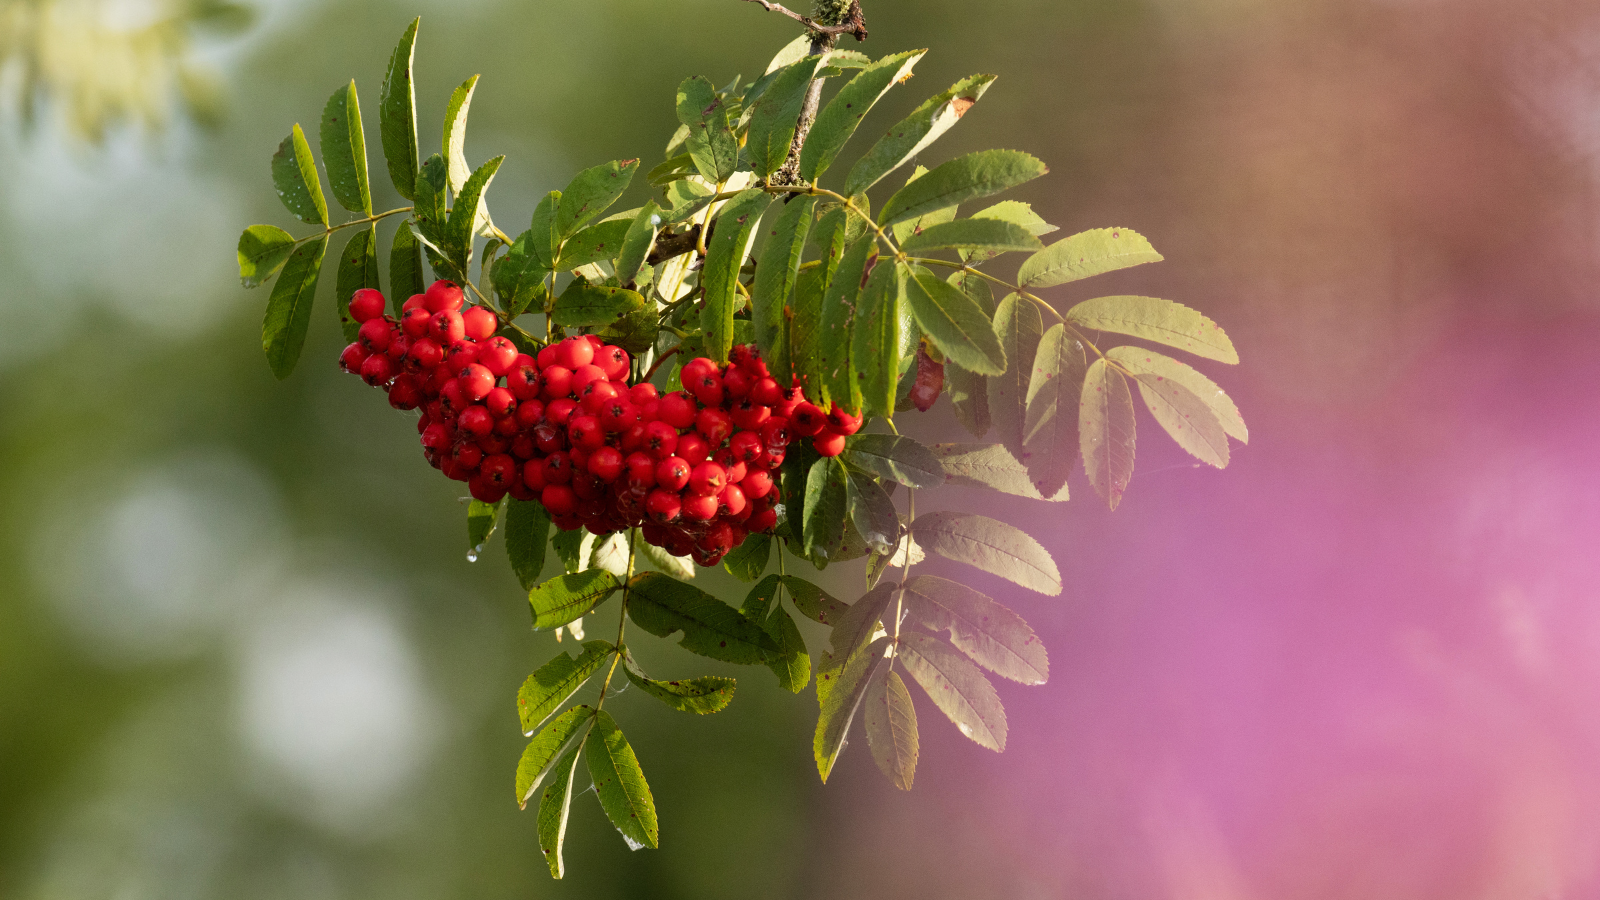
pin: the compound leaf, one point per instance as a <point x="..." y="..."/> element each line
<point x="775" y="275"/>
<point x="993" y="467"/>
<point x="961" y="179"/>
<point x="848" y="687"/>
<point x="838" y="323"/>
<point x="957" y="687"/>
<point x="556" y="681"/>
<point x="990" y="545"/>
<point x="954" y="323"/>
<point x="895" y="458"/>
<point x="294" y="173"/>
<point x="547" y="746"/>
<point x="839" y="119"/>
<point x="591" y="193"/>
<point x="344" y="150"/>
<point x="910" y="135"/>
<point x="724" y="257"/>
<point x="1156" y="320"/>
<point x="1142" y="362"/>
<point x="661" y="605"/>
<point x="263" y="249"/>
<point x="993" y="636"/>
<point x="711" y="141"/>
<point x="397" y="116"/>
<point x="969" y="391"/>
<point x="619" y="781"/>
<point x="700" y="696"/>
<point x="862" y="621"/>
<point x="1054" y="391"/>
<point x="1019" y="326"/>
<point x="527" y="534"/>
<point x="891" y="723"/>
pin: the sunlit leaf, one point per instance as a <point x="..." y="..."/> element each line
<point x="840" y="701"/>
<point x="600" y="241"/>
<point x="406" y="277"/>
<point x="464" y="216"/>
<point x="263" y="249"/>
<point x="891" y="724"/>
<point x="1085" y="254"/>
<point x="1148" y="363"/>
<point x="481" y="519"/>
<point x="554" y="806"/>
<point x="838" y="322"/>
<point x="993" y="636"/>
<point x="969" y="391"/>
<point x="1055" y="391"/>
<point x="839" y="119"/>
<point x="1106" y="431"/>
<point x="591" y="193"/>
<point x="700" y="696"/>
<point x="710" y="140"/>
<point x="397" y="117"/>
<point x="772" y="117"/>
<point x="872" y="511"/>
<point x="455" y="133"/>
<point x="775" y="276"/>
<point x="913" y="133"/>
<point x="720" y="275"/>
<point x="611" y="554"/>
<point x="990" y="545"/>
<point x="564" y="598"/>
<point x="1156" y="320"/>
<point x="875" y="338"/>
<point x="991" y="236"/>
<point x="679" y="567"/>
<point x="294" y="173"/>
<point x="863" y="620"/>
<point x="344" y="150"/>
<point x="283" y="332"/>
<point x="954" y="323"/>
<point x="761" y="606"/>
<point x="993" y="467"/>
<point x="556" y="681"/>
<point x="957" y="687"/>
<point x="1015" y="212"/>
<point x="527" y="533"/>
<point x="1020" y="326"/>
<point x="585" y="304"/>
<point x="896" y="458"/>
<point x="662" y="605"/>
<point x="637" y="242"/>
<point x="430" y="214"/>
<point x="964" y="178"/>
<point x="539" y="759"/>
<point x="813" y="602"/>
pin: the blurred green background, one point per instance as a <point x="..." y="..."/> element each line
<point x="242" y="651"/>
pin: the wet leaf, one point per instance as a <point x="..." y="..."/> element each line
<point x="481" y="521"/>
<point x="957" y="687"/>
<point x="1085" y="254"/>
<point x="283" y="332"/>
<point x="990" y="545"/>
<point x="344" y="150"/>
<point x="993" y="636"/>
<point x="556" y="681"/>
<point x="263" y="249"/>
<point x="294" y="173"/>
<point x="1106" y="431"/>
<point x="566" y="597"/>
<point x="397" y="117"/>
<point x="1156" y="320"/>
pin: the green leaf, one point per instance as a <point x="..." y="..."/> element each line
<point x="875" y="338"/>
<point x="430" y="211"/>
<point x="283" y="333"/>
<point x="539" y="759"/>
<point x="662" y="605"/>
<point x="1014" y="212"/>
<point x="805" y="330"/>
<point x="724" y="256"/>
<point x="961" y="179"/>
<point x="637" y="242"/>
<point x="567" y="597"/>
<point x="358" y="268"/>
<point x="813" y="602"/>
<point x="954" y="323"/>
<point x="969" y="391"/>
<point x="553" y="809"/>
<point x="792" y="52"/>
<point x="871" y="511"/>
<point x="619" y="781"/>
<point x="775" y="277"/>
<point x="841" y="700"/>
<point x="1054" y="391"/>
<point x="527" y="533"/>
<point x="761" y="606"/>
<point x="861" y="623"/>
<point x="600" y="241"/>
<point x="344" y="150"/>
<point x="1087" y="253"/>
<point x="519" y="278"/>
<point x="464" y="216"/>
<point x="991" y="466"/>
<point x="591" y="193"/>
<point x="711" y="142"/>
<point x="773" y="116"/>
<point x="680" y="567"/>
<point x="957" y="688"/>
<point x="701" y="696"/>
<point x="635" y="332"/>
<point x="747" y="561"/>
<point x="589" y="305"/>
<point x="1106" y="431"/>
<point x="454" y="139"/>
<point x="481" y="518"/>
<point x="908" y="228"/>
<point x="993" y="636"/>
<point x="891" y="723"/>
<point x="572" y="548"/>
<point x="1142" y="363"/>
<point x="824" y="511"/>
<point x="915" y="132"/>
<point x="556" y="681"/>
<point x="1186" y="418"/>
<point x="543" y="242"/>
<point x="406" y="277"/>
<point x="294" y="172"/>
<point x="1019" y="327"/>
<point x="895" y="458"/>
<point x="674" y="169"/>
<point x="990" y="545"/>
<point x="838" y="322"/>
<point x="263" y="249"/>
<point x="839" y="119"/>
<point x="992" y="236"/>
<point x="397" y="116"/>
<point x="611" y="553"/>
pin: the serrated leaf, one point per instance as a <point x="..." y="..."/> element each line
<point x="964" y="178"/>
<point x="838" y="120"/>
<point x="993" y="636"/>
<point x="591" y="193"/>
<point x="635" y="331"/>
<point x="896" y="458"/>
<point x="992" y="236"/>
<point x="527" y="533"/>
<point x="957" y="687"/>
<point x="1014" y="212"/>
<point x="556" y="681"/>
<point x="805" y="330"/>
<point x="876" y="338"/>
<point x="600" y="241"/>
<point x="464" y="215"/>
<point x="710" y="140"/>
<point x="662" y="605"/>
<point x="891" y="724"/>
<point x="993" y="467"/>
<point x="761" y="606"/>
<point x="572" y="548"/>
<point x="872" y="512"/>
<point x="990" y="545"/>
<point x="747" y="561"/>
<point x="775" y="277"/>
<point x="1142" y="362"/>
<point x="1162" y="321"/>
<point x="294" y="173"/>
<point x="1055" y="388"/>
<point x="773" y="116"/>
<point x="406" y="277"/>
<point x="908" y="228"/>
<point x="283" y="332"/>
<point x="1186" y="418"/>
<point x="637" y="242"/>
<point x="344" y="150"/>
<point x="430" y="212"/>
<point x="397" y="117"/>
<point x="725" y="254"/>
<point x="539" y="759"/>
<point x="791" y="53"/>
<point x="969" y="391"/>
<point x="358" y="269"/>
<point x="824" y="512"/>
<point x="838" y="323"/>
<point x="913" y="133"/>
<point x="1085" y="254"/>
<point x="566" y="597"/>
<point x="700" y="696"/>
<point x="263" y="249"/>
<point x="554" y="806"/>
<point x="863" y="620"/>
<point x="813" y="602"/>
<point x="1106" y="431"/>
<point x="840" y="701"/>
<point x="1019" y="326"/>
<point x="481" y="518"/>
<point x="954" y="323"/>
<point x="454" y="138"/>
<point x="589" y="305"/>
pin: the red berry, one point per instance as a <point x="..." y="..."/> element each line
<point x="504" y="426"/>
<point x="451" y="399"/>
<point x="584" y="431"/>
<point x="828" y="444"/>
<point x="673" y="473"/>
<point x="708" y="478"/>
<point x="548" y="356"/>
<point x="587" y="487"/>
<point x="677" y="410"/>
<point x="557" y="468"/>
<point x="476" y="421"/>
<point x="807" y="420"/>
<point x="700" y="507"/>
<point x="352" y="358"/>
<point x="529" y="412"/>
<point x="632" y="439"/>
<point x="436" y="436"/>
<point x="482" y="489"/>
<point x="414" y="322"/>
<point x="496" y="354"/>
<point x="606" y="464"/>
<point x="416" y="301"/>
<point x="613" y="361"/>
<point x="737" y="382"/>
<point x="555" y="382"/>
<point x="499" y="470"/>
<point x="731" y="501"/>
<point x="467" y="456"/>
<point x="478" y="323"/>
<point x="746" y="446"/>
<point x="756" y="485"/>
<point x="399" y="344"/>
<point x="643" y="393"/>
<point x="660" y="439"/>
<point x="425" y="353"/>
<point x="549" y="437"/>
<point x="460" y="355"/>
<point x="596" y="394"/>
<point x="707" y="388"/>
<point x="559" y="411"/>
<point x="766" y="520"/>
<point x="574" y="352"/>
<point x="663" y="505"/>
<point x="501" y="402"/>
<point x="694" y="369"/>
<point x="766" y="392"/>
<point x="366" y="304"/>
<point x="533" y="474"/>
<point x="715" y="424"/>
<point x="641" y="470"/>
<point x="377" y="369"/>
<point x="618" y="416"/>
<point x="476" y="382"/>
<point x="582" y="375"/>
<point x="749" y="415"/>
<point x="558" y="499"/>
<point x="446" y="327"/>
<point x="522" y="446"/>
<point x="405" y="393"/>
<point x="443" y="295"/>
<point x="523" y="380"/>
<point x="693" y="447"/>
<point x="375" y="335"/>
<point x="841" y="422"/>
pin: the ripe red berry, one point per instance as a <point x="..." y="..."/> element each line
<point x="618" y="415"/>
<point x="476" y="382"/>
<point x="766" y="392"/>
<point x="467" y="456"/>
<point x="715" y="424"/>
<point x="499" y="470"/>
<point x="582" y="375"/>
<point x="828" y="443"/>
<point x="476" y="421"/>
<point x="557" y="468"/>
<point x="756" y="485"/>
<point x="749" y="415"/>
<point x="414" y="322"/>
<point x="375" y="335"/>
<point x="415" y="301"/>
<point x="555" y="382"/>
<point x="443" y="295"/>
<point x="366" y="304"/>
<point x="399" y="344"/>
<point x="585" y="431"/>
<point x="478" y="323"/>
<point x="405" y="393"/>
<point x="596" y="394"/>
<point x="841" y="422"/>
<point x="663" y="505"/>
<point x="549" y="437"/>
<point x="436" y="436"/>
<point x="693" y="448"/>
<point x="708" y="478"/>
<point x="573" y="353"/>
<point x="558" y="499"/>
<point x="533" y="474"/>
<point x="497" y="354"/>
<point x="559" y="411"/>
<point x="606" y="464"/>
<point x="377" y="369"/>
<point x="641" y="470"/>
<point x="425" y="354"/>
<point x="352" y="358"/>
<point x="745" y="446"/>
<point x="643" y="393"/>
<point x="673" y="473"/>
<point x="731" y="501"/>
<point x="737" y="382"/>
<point x="706" y="387"/>
<point x="766" y="520"/>
<point x="613" y="361"/>
<point x="807" y="420"/>
<point x="460" y="355"/>
<point x="702" y="507"/>
<point x="677" y="410"/>
<point x="660" y="439"/>
<point x="529" y="413"/>
<point x="523" y="380"/>
<point x="451" y="399"/>
<point x="446" y="327"/>
<point x="484" y="490"/>
<point x="500" y="402"/>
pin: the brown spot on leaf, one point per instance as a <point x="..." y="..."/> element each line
<point x="960" y="105"/>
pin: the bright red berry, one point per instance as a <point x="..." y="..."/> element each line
<point x="446" y="327"/>
<point x="500" y="402"/>
<point x="375" y="335"/>
<point x="352" y="358"/>
<point x="606" y="464"/>
<point x="693" y="447"/>
<point x="476" y="421"/>
<point x="414" y="322"/>
<point x="555" y="382"/>
<point x="660" y="439"/>
<point x="497" y="354"/>
<point x="478" y="323"/>
<point x="708" y="478"/>
<point x="715" y="424"/>
<point x="558" y="499"/>
<point x="425" y="353"/>
<point x="766" y="392"/>
<point x="746" y="446"/>
<point x="585" y="431"/>
<point x="573" y="353"/>
<point x="807" y="420"/>
<point x="460" y="355"/>
<point x="444" y="295"/>
<point x="756" y="485"/>
<point x="559" y="411"/>
<point x="702" y="507"/>
<point x="613" y="361"/>
<point x="643" y="393"/>
<point x="476" y="382"/>
<point x="828" y="443"/>
<point x="663" y="505"/>
<point x="673" y="473"/>
<point x="841" y="422"/>
<point x="366" y="304"/>
<point x="677" y="410"/>
<point x="377" y="369"/>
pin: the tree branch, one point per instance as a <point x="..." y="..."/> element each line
<point x="853" y="23"/>
<point x="823" y="37"/>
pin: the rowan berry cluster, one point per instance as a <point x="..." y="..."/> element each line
<point x="695" y="470"/>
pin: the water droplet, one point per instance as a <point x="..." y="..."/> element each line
<point x="472" y="555"/>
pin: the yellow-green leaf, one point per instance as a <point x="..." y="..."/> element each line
<point x="1153" y="319"/>
<point x="344" y="150"/>
<point x="567" y="597"/>
<point x="556" y="681"/>
<point x="294" y="173"/>
<point x="954" y="323"/>
<point x="839" y="119"/>
<point x="283" y="332"/>
<point x="1142" y="362"/>
<point x="397" y="116"/>
<point x="891" y="723"/>
<point x="1054" y="392"/>
<point x="624" y="794"/>
<point x="1087" y="253"/>
<point x="1106" y="431"/>
<point x="263" y="249"/>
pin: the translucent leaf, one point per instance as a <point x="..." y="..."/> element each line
<point x="591" y="193"/>
<point x="954" y="323"/>
<point x="1017" y="213"/>
<point x="775" y="276"/>
<point x="263" y="249"/>
<point x="480" y="522"/>
<point x="1054" y="392"/>
<point x="1142" y="363"/>
<point x="1085" y="254"/>
<point x="964" y="178"/>
<point x="406" y="277"/>
<point x="813" y="602"/>
<point x="1106" y="431"/>
<point x="539" y="759"/>
<point x="611" y="554"/>
<point x="710" y="140"/>
<point x="863" y="620"/>
<point x="454" y="138"/>
<point x="283" y="333"/>
<point x="344" y="150"/>
<point x="992" y="236"/>
<point x="891" y="723"/>
<point x="527" y="532"/>
<point x="990" y="545"/>
<point x="957" y="688"/>
<point x="908" y="228"/>
<point x="556" y="681"/>
<point x="700" y="696"/>
<point x="1156" y="320"/>
<point x="824" y="511"/>
<point x="464" y="216"/>
<point x="358" y="269"/>
<point x="584" y="304"/>
<point x="913" y="133"/>
<point x="397" y="116"/>
<point x="554" y="806"/>
<point x="747" y="561"/>
<point x="567" y="597"/>
<point x="600" y="241"/>
<point x="847" y="688"/>
<point x="678" y="567"/>
<point x="637" y="242"/>
<point x="1019" y="326"/>
<point x="773" y="116"/>
<point x="838" y="120"/>
<point x="895" y="458"/>
<point x="662" y="605"/>
<point x="993" y="636"/>
<point x="294" y="173"/>
<point x="838" y="322"/>
<point x="761" y="606"/>
<point x="993" y="467"/>
<point x="724" y="256"/>
<point x="875" y="339"/>
<point x="872" y="512"/>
